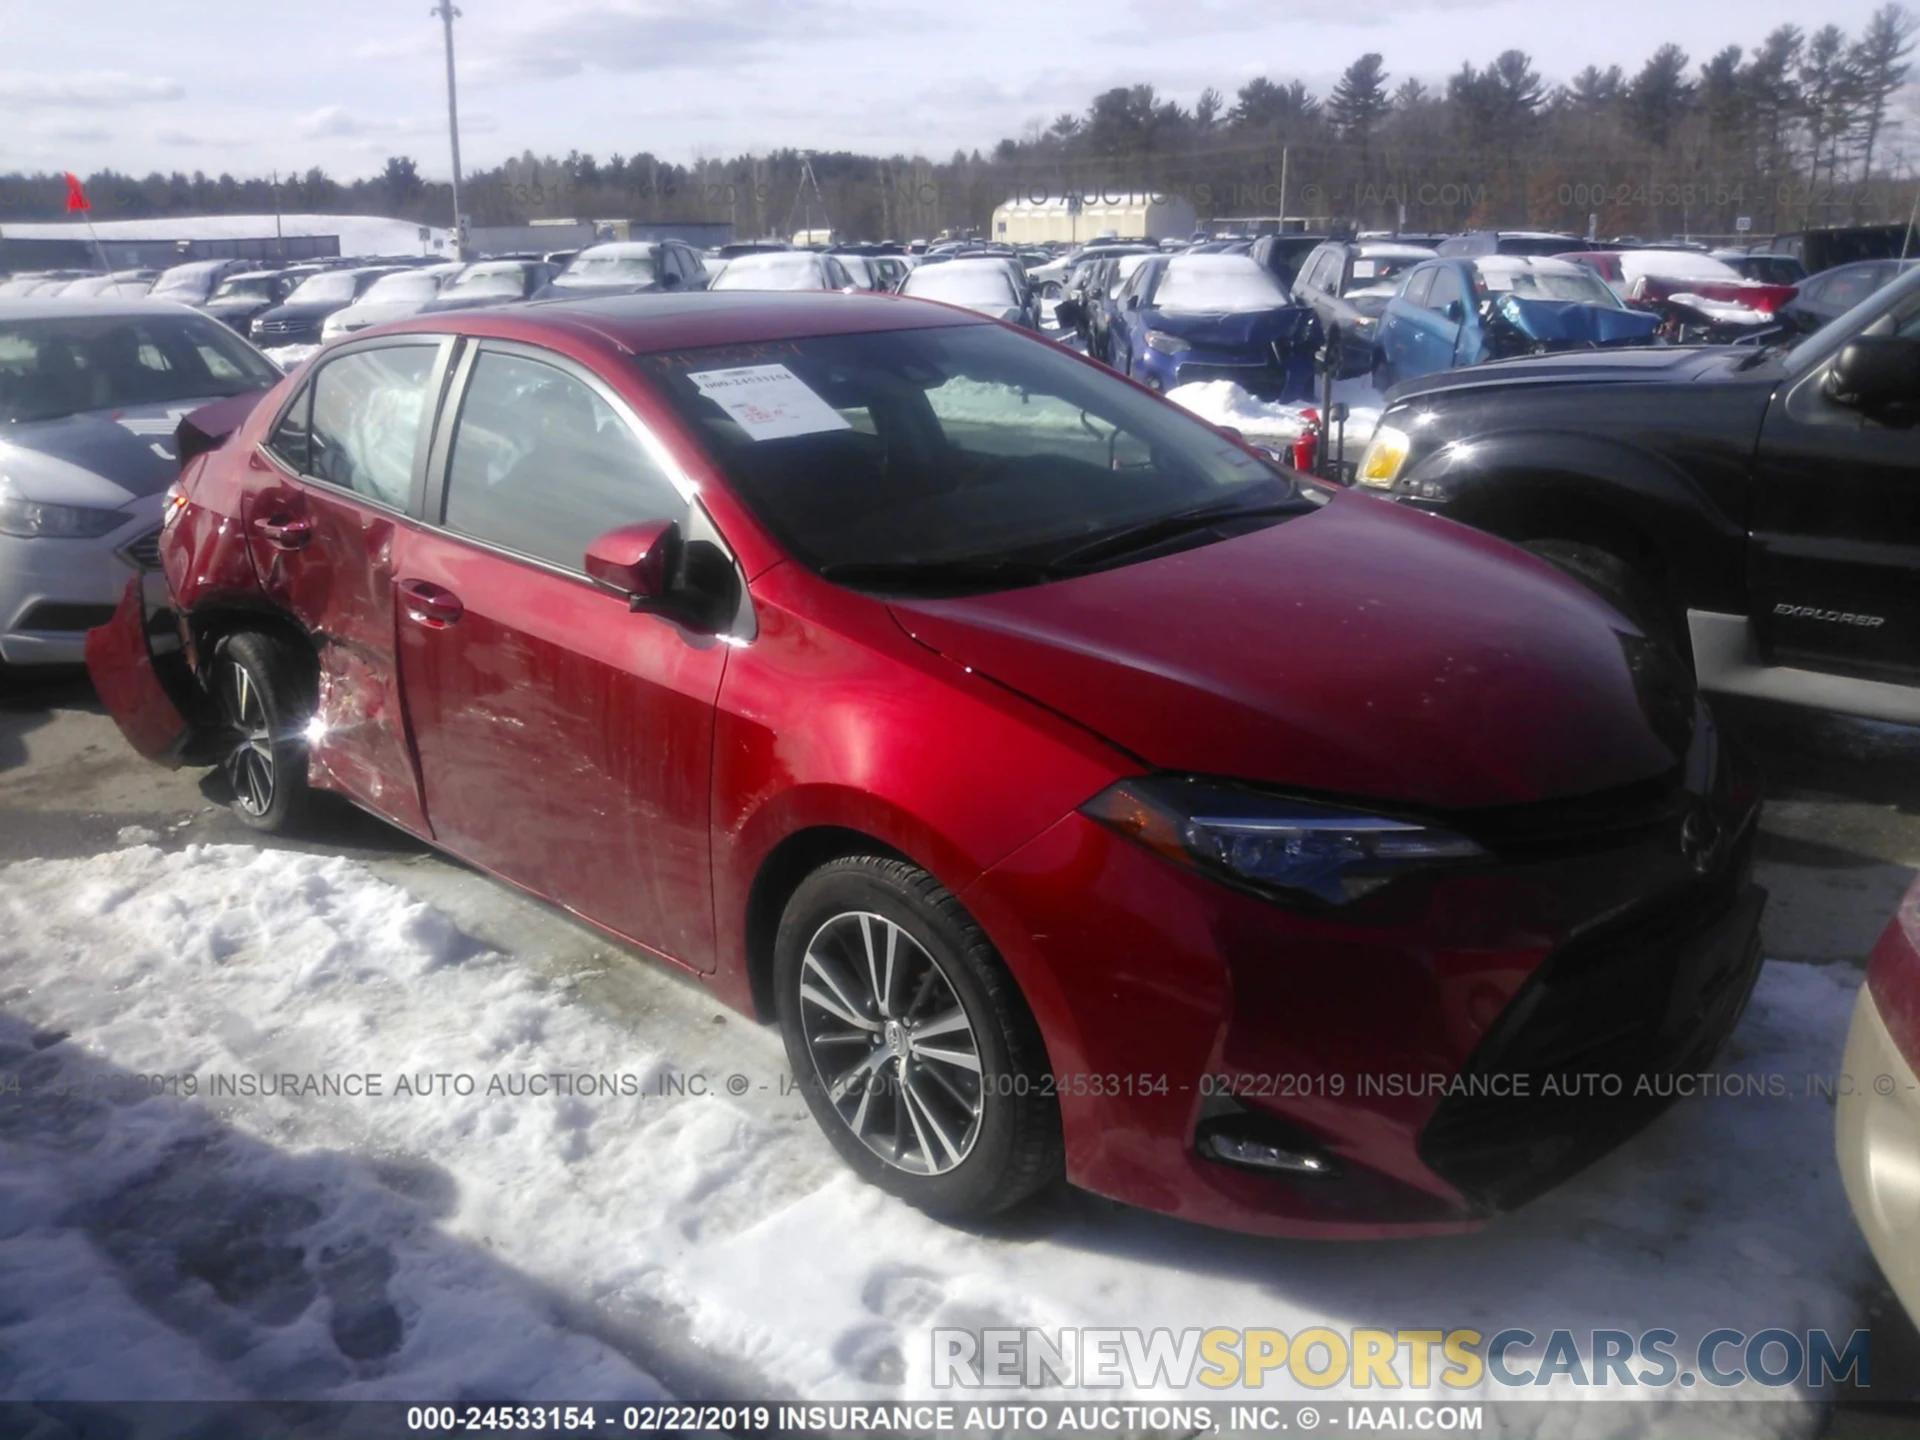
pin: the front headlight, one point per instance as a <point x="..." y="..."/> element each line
<point x="1290" y="849"/>
<point x="1386" y="456"/>
<point x="32" y="520"/>
<point x="1167" y="344"/>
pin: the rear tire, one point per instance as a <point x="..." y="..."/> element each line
<point x="1632" y="592"/>
<point x="911" y="1042"/>
<point x="260" y="683"/>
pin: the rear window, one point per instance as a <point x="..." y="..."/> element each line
<point x="72" y="364"/>
<point x="629" y="268"/>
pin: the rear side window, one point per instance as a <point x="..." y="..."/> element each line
<point x="367" y="410"/>
<point x="541" y="465"/>
<point x="1419" y="284"/>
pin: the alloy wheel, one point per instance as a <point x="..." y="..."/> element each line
<point x="891" y="1043"/>
<point x="248" y="764"/>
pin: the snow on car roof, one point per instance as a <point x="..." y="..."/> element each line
<point x="617" y="248"/>
<point x="1509" y="264"/>
<point x="1393" y="250"/>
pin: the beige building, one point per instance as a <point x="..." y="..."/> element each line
<point x="1030" y="219"/>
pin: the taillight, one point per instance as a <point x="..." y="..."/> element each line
<point x="1893" y="977"/>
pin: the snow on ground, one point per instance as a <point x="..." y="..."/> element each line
<point x="342" y="1246"/>
<point x="1221" y="402"/>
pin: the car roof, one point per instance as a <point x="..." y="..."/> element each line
<point x="685" y="320"/>
<point x="623" y="247"/>
<point x="51" y="307"/>
<point x="1393" y="250"/>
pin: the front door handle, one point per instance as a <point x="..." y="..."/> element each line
<point x="430" y="605"/>
<point x="285" y="532"/>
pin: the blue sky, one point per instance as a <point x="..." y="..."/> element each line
<point x="224" y="85"/>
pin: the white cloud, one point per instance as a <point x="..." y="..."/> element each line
<point x="85" y="88"/>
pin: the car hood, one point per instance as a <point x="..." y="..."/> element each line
<point x="1362" y="650"/>
<point x="316" y="310"/>
<point x="363" y="314"/>
<point x="1233" y="330"/>
<point x="1575" y="322"/>
<point x="104" y="457"/>
<point x="1654" y="364"/>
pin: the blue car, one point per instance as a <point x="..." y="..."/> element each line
<point x="1187" y="318"/>
<point x="1460" y="311"/>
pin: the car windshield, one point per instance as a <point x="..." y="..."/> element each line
<point x="329" y="287"/>
<point x="1217" y="284"/>
<point x="919" y="458"/>
<point x="773" y="272"/>
<point x="488" y="280"/>
<point x="404" y="286"/>
<point x="245" y="287"/>
<point x="1379" y="273"/>
<point x="66" y="365"/>
<point x="1532" y="283"/>
<point x="959" y="283"/>
<point x="630" y="267"/>
<point x="192" y="281"/>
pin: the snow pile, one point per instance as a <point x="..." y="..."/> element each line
<point x="362" y="1245"/>
<point x="1221" y="402"/>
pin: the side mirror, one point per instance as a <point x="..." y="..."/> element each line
<point x="1456" y="312"/>
<point x="637" y="561"/>
<point x="1067" y="314"/>
<point x="669" y="282"/>
<point x="1875" y="373"/>
<point x="1133" y="302"/>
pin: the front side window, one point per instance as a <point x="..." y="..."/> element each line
<point x="917" y="451"/>
<point x="367" y="410"/>
<point x="543" y="466"/>
<point x="1446" y="291"/>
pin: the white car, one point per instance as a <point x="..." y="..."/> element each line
<point x="89" y="398"/>
<point x="121" y="284"/>
<point x="391" y="297"/>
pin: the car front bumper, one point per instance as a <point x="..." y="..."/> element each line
<point x="1877" y="1122"/>
<point x="1387" y="1042"/>
<point x="53" y="591"/>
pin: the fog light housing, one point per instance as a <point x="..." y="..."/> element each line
<point x="1254" y="1154"/>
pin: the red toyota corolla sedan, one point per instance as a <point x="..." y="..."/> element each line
<point x="1082" y="792"/>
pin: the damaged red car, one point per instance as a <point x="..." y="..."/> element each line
<point x="1084" y="794"/>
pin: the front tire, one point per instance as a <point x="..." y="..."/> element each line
<point x="265" y="701"/>
<point x="915" y="1051"/>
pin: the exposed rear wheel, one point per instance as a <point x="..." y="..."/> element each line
<point x="265" y="703"/>
<point x="912" y="1045"/>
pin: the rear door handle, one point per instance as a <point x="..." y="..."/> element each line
<point x="429" y="604"/>
<point x="285" y="532"/>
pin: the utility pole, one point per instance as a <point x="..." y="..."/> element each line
<point x="448" y="14"/>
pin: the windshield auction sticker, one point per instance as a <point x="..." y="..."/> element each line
<point x="770" y="402"/>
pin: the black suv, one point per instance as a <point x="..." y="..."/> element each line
<point x="1758" y="510"/>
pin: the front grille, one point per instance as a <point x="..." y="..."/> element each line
<point x="143" y="553"/>
<point x="285" y="329"/>
<point x="62" y="616"/>
<point x="1631" y="1004"/>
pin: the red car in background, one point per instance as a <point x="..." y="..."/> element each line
<point x="1699" y="296"/>
<point x="1083" y="793"/>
